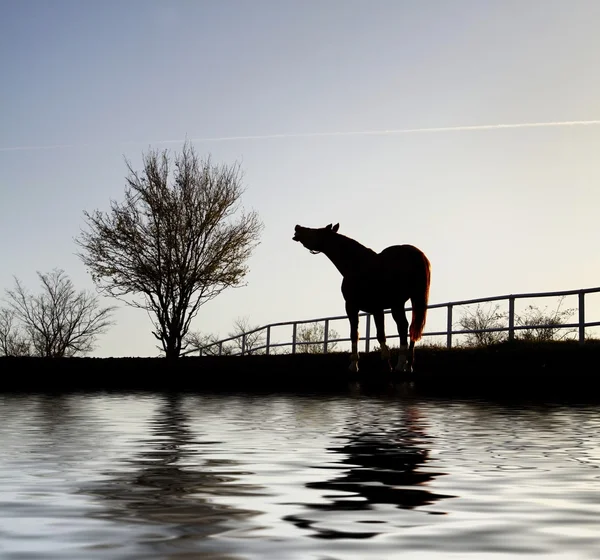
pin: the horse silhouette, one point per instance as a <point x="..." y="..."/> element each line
<point x="374" y="282"/>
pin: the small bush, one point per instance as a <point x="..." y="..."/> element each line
<point x="543" y="325"/>
<point x="311" y="335"/>
<point x="533" y="317"/>
<point x="480" y="319"/>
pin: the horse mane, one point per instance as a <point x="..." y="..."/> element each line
<point x="354" y="246"/>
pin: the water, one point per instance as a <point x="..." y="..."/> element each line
<point x="278" y="477"/>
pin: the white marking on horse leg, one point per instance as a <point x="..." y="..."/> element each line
<point x="402" y="359"/>
<point x="385" y="351"/>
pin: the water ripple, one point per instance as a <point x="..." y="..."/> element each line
<point x="223" y="477"/>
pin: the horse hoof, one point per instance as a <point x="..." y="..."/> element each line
<point x="404" y="368"/>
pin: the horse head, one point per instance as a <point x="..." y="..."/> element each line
<point x="314" y="239"/>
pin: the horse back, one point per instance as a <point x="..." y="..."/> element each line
<point x="401" y="254"/>
<point x="403" y="262"/>
<point x="393" y="277"/>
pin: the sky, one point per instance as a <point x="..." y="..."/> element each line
<point x="382" y="116"/>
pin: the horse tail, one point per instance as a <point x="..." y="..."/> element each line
<point x="419" y="300"/>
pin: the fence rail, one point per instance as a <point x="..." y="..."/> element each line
<point x="369" y="335"/>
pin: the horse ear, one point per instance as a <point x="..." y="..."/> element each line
<point x="328" y="226"/>
<point x="335" y="228"/>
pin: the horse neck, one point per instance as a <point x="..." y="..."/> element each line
<point x="348" y="255"/>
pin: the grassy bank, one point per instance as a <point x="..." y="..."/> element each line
<point x="520" y="369"/>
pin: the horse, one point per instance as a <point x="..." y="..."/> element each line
<point x="373" y="282"/>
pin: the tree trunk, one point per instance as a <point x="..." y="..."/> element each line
<point x="172" y="352"/>
<point x="172" y="346"/>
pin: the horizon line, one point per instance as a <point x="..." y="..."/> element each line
<point x="376" y="132"/>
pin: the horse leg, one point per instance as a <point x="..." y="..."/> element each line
<point x="411" y="356"/>
<point x="379" y="319"/>
<point x="406" y="353"/>
<point x="352" y="313"/>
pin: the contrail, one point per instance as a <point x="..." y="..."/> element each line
<point x="391" y="131"/>
<point x="381" y="132"/>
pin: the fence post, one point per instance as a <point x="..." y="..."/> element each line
<point x="220" y="348"/>
<point x="268" y="339"/>
<point x="294" y="339"/>
<point x="449" y="327"/>
<point x="581" y="317"/>
<point x="326" y="336"/>
<point x="243" y="343"/>
<point x="368" y="334"/>
<point x="511" y="318"/>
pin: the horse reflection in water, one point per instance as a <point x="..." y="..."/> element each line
<point x="171" y="484"/>
<point x="384" y="467"/>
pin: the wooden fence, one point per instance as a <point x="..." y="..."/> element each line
<point x="265" y="334"/>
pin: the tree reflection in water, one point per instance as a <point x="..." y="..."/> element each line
<point x="385" y="466"/>
<point x="171" y="483"/>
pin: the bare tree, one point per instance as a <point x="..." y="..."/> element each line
<point x="311" y="335"/>
<point x="174" y="241"/>
<point x="251" y="343"/>
<point x="59" y="321"/>
<point x="483" y="318"/>
<point x="12" y="341"/>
